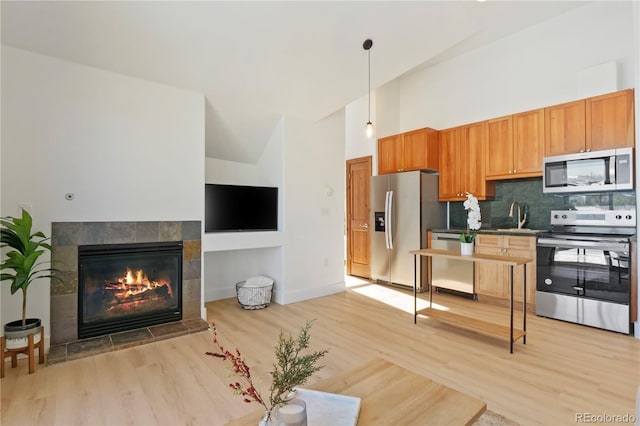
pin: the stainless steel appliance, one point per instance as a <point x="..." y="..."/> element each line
<point x="450" y="274"/>
<point x="583" y="268"/>
<point x="404" y="206"/>
<point x="607" y="170"/>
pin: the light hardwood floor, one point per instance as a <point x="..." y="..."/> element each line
<point x="563" y="369"/>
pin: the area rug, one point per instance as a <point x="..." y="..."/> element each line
<point x="489" y="418"/>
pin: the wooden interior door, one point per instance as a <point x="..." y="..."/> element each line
<point x="358" y="226"/>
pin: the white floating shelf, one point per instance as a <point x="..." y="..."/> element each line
<point x="224" y="241"/>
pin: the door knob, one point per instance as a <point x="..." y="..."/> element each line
<point x="366" y="225"/>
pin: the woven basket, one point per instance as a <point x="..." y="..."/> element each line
<point x="254" y="297"/>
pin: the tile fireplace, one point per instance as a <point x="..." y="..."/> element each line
<point x="159" y="261"/>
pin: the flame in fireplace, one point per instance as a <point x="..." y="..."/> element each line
<point x="140" y="278"/>
<point x="133" y="284"/>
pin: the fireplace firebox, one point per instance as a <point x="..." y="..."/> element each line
<point x="127" y="286"/>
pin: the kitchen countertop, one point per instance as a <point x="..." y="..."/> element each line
<point x="499" y="231"/>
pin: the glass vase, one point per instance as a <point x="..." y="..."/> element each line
<point x="267" y="419"/>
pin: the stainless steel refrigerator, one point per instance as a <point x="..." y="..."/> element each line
<point x="404" y="206"/>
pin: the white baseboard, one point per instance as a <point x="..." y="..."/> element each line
<point x="212" y="294"/>
<point x="313" y="292"/>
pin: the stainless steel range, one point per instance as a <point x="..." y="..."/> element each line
<point x="583" y="268"/>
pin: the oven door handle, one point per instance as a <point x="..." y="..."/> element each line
<point x="598" y="245"/>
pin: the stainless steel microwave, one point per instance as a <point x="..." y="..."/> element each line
<point x="594" y="171"/>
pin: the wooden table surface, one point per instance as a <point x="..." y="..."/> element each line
<point x="392" y="395"/>
<point x="475" y="257"/>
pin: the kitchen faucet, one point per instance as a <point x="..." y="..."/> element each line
<point x="524" y="218"/>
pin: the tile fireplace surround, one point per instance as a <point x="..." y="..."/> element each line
<point x="67" y="236"/>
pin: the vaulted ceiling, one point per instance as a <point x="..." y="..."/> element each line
<point x="258" y="61"/>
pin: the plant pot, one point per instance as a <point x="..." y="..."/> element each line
<point x="17" y="335"/>
<point x="466" y="249"/>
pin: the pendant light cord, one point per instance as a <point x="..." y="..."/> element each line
<point x="369" y="52"/>
<point x="368" y="43"/>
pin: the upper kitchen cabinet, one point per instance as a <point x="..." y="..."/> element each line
<point x="528" y="143"/>
<point x="414" y="150"/>
<point x="610" y="121"/>
<point x="515" y="145"/>
<point x="389" y="154"/>
<point x="565" y="128"/>
<point x="499" y="155"/>
<point x="462" y="163"/>
<point x="592" y="124"/>
<point x="421" y="149"/>
<point x="450" y="154"/>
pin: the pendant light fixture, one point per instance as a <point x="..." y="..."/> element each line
<point x="368" y="43"/>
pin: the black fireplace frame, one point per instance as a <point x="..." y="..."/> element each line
<point x="130" y="322"/>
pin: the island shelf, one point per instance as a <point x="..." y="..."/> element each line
<point x="467" y="322"/>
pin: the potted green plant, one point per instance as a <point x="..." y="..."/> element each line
<point x="21" y="267"/>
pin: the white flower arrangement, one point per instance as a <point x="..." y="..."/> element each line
<point x="474" y="219"/>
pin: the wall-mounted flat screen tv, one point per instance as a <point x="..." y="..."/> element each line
<point x="236" y="208"/>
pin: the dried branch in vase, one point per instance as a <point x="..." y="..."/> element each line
<point x="292" y="369"/>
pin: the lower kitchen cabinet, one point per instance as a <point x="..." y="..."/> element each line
<point x="493" y="280"/>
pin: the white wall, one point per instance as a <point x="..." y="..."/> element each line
<point x="537" y="67"/>
<point x="267" y="171"/>
<point x="389" y="109"/>
<point x="314" y="190"/>
<point x="355" y="116"/>
<point x="224" y="268"/>
<point x="128" y="149"/>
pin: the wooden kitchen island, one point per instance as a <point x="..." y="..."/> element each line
<point x="467" y="322"/>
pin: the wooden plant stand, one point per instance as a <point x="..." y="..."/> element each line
<point x="28" y="350"/>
